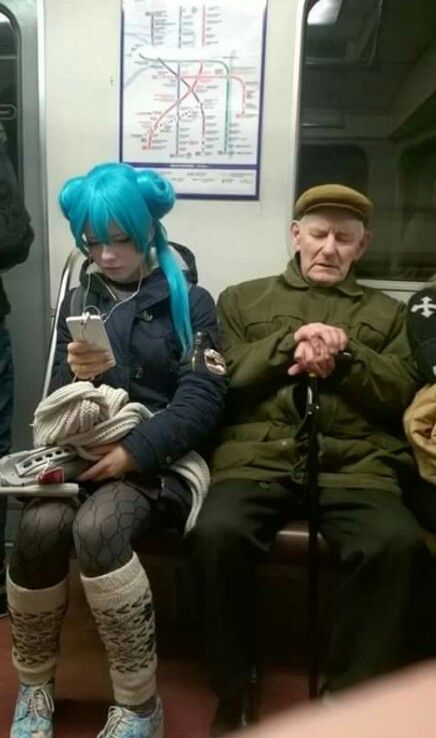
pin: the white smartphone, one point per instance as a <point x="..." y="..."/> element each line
<point x="90" y="328"/>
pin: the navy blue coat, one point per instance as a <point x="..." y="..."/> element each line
<point x="187" y="397"/>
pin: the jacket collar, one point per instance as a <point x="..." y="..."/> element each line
<point x="292" y="275"/>
<point x="154" y="287"/>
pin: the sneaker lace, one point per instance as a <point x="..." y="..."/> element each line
<point x="116" y="719"/>
<point x="40" y="702"/>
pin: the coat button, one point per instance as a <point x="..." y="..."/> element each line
<point x="139" y="373"/>
<point x="168" y="460"/>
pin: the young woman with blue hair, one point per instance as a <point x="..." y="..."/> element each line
<point x="162" y="329"/>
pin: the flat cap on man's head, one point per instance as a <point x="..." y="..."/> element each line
<point x="333" y="196"/>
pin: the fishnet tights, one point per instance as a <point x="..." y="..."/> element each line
<point x="103" y="531"/>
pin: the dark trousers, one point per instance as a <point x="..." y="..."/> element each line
<point x="386" y="568"/>
<point x="6" y="398"/>
<point x="420" y="498"/>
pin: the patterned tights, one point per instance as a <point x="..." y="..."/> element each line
<point x="104" y="530"/>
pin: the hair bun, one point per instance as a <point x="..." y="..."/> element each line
<point x="68" y="195"/>
<point x="157" y="192"/>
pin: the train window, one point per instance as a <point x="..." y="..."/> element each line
<point x="368" y="119"/>
<point x="341" y="162"/>
<point x="9" y="89"/>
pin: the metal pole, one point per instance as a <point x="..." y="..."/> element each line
<point x="72" y="258"/>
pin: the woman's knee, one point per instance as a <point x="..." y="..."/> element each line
<point x="44" y="525"/>
<point x="101" y="541"/>
<point x="40" y="557"/>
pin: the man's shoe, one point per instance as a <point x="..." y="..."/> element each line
<point x="33" y="712"/>
<point x="123" y="723"/>
<point x="232" y="713"/>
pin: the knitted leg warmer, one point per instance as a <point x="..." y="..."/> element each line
<point x="121" y="604"/>
<point x="36" y="616"/>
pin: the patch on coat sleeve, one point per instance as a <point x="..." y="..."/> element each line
<point x="214" y="362"/>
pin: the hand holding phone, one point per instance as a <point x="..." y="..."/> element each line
<point x="91" y="352"/>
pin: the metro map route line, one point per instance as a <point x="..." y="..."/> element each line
<point x="176" y="104"/>
<point x="191" y="90"/>
<point x="152" y="28"/>
<point x="229" y="75"/>
<point x="203" y="26"/>
<point x="199" y="77"/>
<point x="152" y="16"/>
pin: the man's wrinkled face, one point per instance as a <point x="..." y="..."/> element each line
<point x="328" y="241"/>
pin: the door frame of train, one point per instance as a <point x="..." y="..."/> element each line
<point x="27" y="285"/>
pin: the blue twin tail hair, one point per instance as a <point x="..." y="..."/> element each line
<point x="134" y="200"/>
<point x="179" y="291"/>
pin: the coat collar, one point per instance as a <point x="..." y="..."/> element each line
<point x="292" y="275"/>
<point x="154" y="287"/>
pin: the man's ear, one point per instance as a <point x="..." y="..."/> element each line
<point x="295" y="234"/>
<point x="363" y="245"/>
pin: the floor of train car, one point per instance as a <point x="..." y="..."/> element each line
<point x="83" y="689"/>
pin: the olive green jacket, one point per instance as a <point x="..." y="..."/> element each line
<point x="361" y="443"/>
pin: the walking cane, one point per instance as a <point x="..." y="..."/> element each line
<point x="311" y="490"/>
<point x="344" y="359"/>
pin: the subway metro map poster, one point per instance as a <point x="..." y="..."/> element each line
<point x="191" y="93"/>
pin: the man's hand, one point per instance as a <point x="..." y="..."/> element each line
<point x="85" y="362"/>
<point x="334" y="339"/>
<point x="317" y="346"/>
<point x="115" y="461"/>
<point x="309" y="361"/>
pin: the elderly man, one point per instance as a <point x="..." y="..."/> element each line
<point x="275" y="331"/>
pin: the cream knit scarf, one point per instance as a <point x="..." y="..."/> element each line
<point x="84" y="416"/>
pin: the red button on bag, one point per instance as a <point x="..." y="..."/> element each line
<point x="52" y="476"/>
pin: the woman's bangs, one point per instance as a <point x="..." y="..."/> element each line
<point x="100" y="218"/>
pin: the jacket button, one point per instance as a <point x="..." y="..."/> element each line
<point x="139" y="373"/>
<point x="168" y="460"/>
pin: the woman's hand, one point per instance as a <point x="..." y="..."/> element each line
<point x="115" y="461"/>
<point x="85" y="362"/>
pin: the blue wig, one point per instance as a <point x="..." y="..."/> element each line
<point x="134" y="200"/>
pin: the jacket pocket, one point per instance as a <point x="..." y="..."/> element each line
<point x="257" y="327"/>
<point x="371" y="336"/>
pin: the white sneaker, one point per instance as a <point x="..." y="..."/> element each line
<point x="123" y="723"/>
<point x="33" y="712"/>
